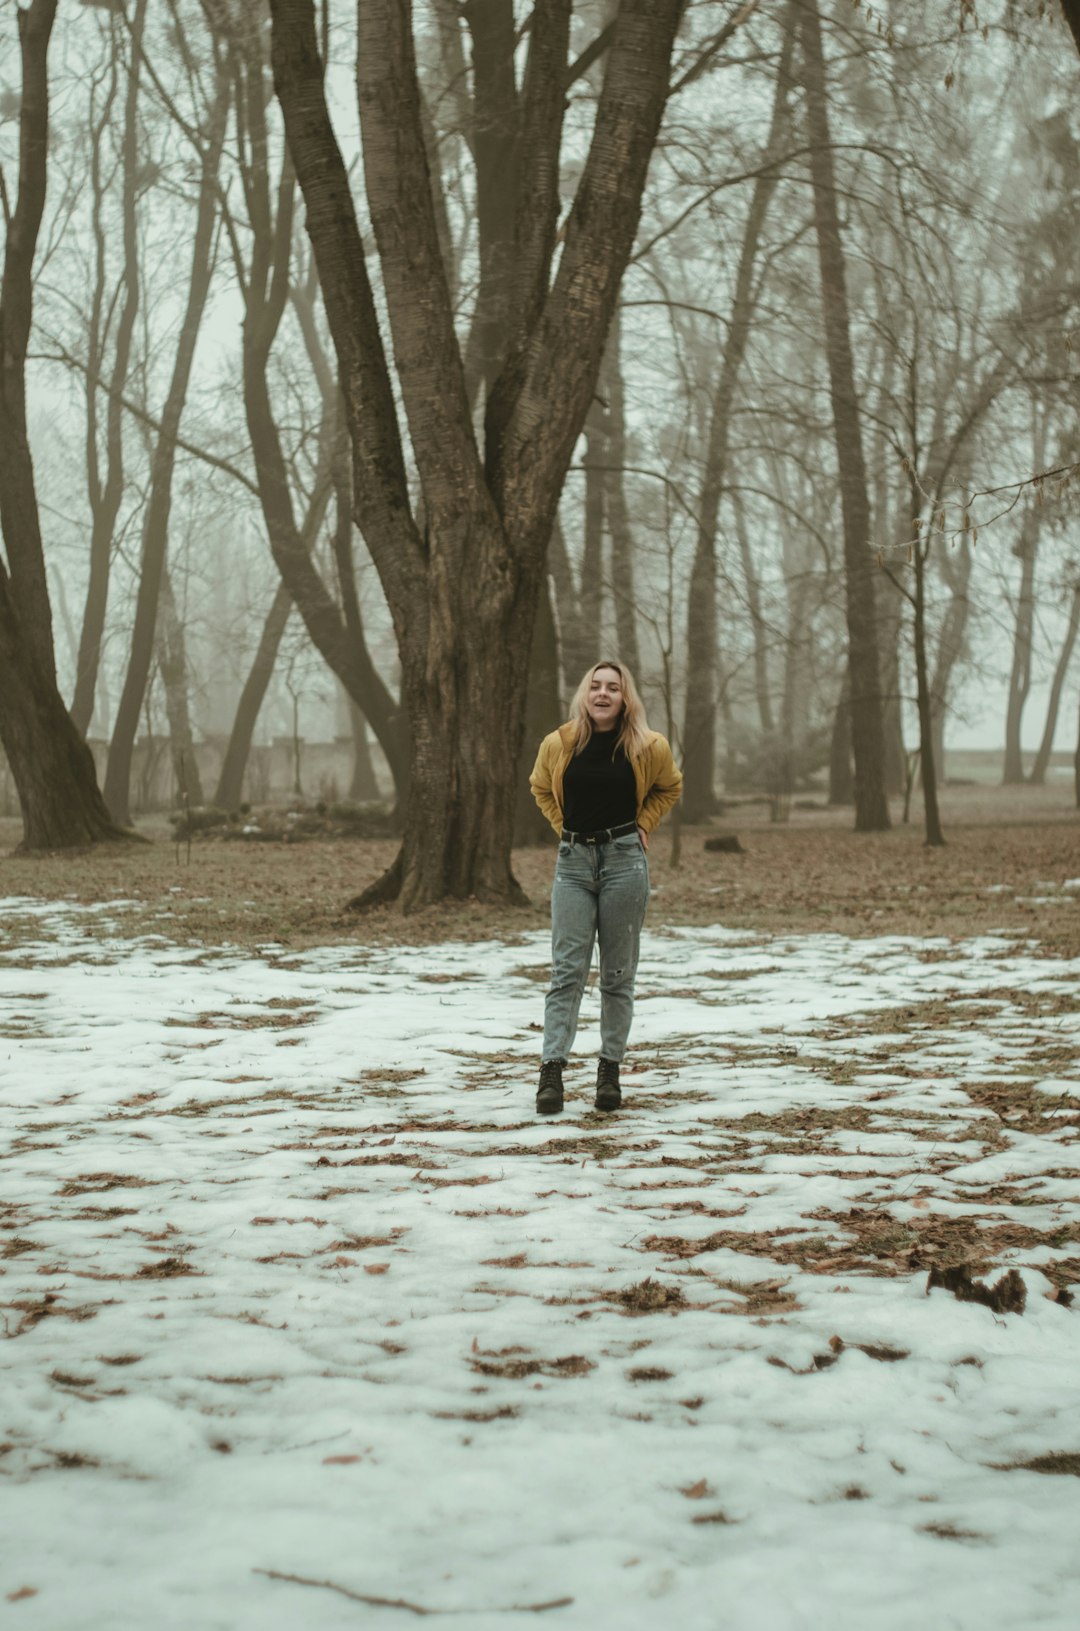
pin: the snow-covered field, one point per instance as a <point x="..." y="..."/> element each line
<point x="308" y="1321"/>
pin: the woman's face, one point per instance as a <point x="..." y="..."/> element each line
<point x="604" y="702"/>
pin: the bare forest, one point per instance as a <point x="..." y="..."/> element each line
<point x="368" y="374"/>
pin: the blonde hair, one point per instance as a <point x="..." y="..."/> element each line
<point x="633" y="735"/>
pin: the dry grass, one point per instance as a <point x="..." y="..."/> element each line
<point x="1005" y="846"/>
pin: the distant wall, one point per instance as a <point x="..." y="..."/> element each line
<point x="325" y="772"/>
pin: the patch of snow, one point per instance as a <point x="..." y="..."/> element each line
<point x="296" y="1288"/>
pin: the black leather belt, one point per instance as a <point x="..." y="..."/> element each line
<point x="603" y="836"/>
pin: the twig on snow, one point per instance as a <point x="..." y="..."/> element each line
<point x="411" y="1608"/>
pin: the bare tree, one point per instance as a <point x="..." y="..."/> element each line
<point x="51" y="765"/>
<point x="463" y="584"/>
<point x="155" y="528"/>
<point x="867" y="735"/>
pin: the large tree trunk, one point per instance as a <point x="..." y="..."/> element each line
<point x="155" y="535"/>
<point x="51" y="765"/>
<point x="463" y="591"/>
<point x="702" y="632"/>
<point x="106" y="495"/>
<point x="1026" y="550"/>
<point x="867" y="735"/>
<point x="1046" y="746"/>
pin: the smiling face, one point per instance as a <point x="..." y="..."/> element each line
<point x="604" y="703"/>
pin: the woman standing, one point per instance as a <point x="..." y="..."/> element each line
<point x="604" y="780"/>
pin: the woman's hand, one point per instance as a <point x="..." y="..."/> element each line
<point x="643" y="835"/>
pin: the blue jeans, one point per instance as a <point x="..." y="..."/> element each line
<point x="599" y="890"/>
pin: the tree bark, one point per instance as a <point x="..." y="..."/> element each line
<point x="1046" y="746"/>
<point x="463" y="592"/>
<point x="155" y="532"/>
<point x="867" y="735"/>
<point x="51" y="765"/>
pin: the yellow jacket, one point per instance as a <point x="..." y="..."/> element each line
<point x="659" y="783"/>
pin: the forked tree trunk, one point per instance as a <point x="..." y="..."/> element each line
<point x="1046" y="746"/>
<point x="463" y="590"/>
<point x="51" y="765"/>
<point x="867" y="735"/>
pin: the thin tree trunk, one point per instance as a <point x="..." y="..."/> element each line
<point x="591" y="597"/>
<point x="759" y="632"/>
<point x="155" y="535"/>
<point x="106" y="497"/>
<point x="574" y="643"/>
<point x="934" y="835"/>
<point x="229" y="792"/>
<point x="890" y="625"/>
<point x="841" y="780"/>
<point x="51" y="765"/>
<point x="702" y="630"/>
<point x="172" y="661"/>
<point x="956" y="570"/>
<point x="1025" y="549"/>
<point x="542" y="706"/>
<point x="623" y="591"/>
<point x="1046" y="746"/>
<point x="867" y="735"/>
<point x="363" y="787"/>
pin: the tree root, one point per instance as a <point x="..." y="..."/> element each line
<point x="382" y="891"/>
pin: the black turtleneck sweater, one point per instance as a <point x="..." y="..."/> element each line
<point x="599" y="789"/>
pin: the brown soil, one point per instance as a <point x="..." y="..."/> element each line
<point x="1007" y="855"/>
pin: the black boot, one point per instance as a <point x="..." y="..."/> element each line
<point x="608" y="1096"/>
<point x="549" y="1100"/>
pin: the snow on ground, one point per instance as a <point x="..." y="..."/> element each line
<point x="308" y="1321"/>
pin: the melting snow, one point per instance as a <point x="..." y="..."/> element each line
<point x="294" y="1284"/>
